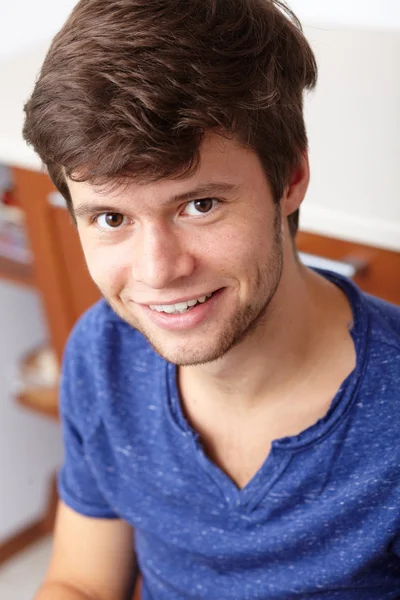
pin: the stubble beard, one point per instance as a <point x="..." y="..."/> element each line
<point x="244" y="323"/>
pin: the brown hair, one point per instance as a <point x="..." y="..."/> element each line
<point x="129" y="88"/>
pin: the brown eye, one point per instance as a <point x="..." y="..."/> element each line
<point x="114" y="219"/>
<point x="204" y="205"/>
<point x="110" y="220"/>
<point x="198" y="207"/>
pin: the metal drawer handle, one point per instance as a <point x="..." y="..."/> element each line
<point x="348" y="267"/>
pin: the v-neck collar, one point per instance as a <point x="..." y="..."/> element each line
<point x="284" y="449"/>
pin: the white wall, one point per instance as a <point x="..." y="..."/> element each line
<point x="24" y="23"/>
<point x="30" y="445"/>
<point x="364" y="14"/>
<point x="353" y="122"/>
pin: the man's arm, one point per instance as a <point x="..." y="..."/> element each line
<point x="93" y="559"/>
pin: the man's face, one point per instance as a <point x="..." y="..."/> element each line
<point x="191" y="263"/>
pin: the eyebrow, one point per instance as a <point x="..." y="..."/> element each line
<point x="87" y="208"/>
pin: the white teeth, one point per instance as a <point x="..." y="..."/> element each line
<point x="179" y="307"/>
<point x="182" y="305"/>
<point x="168" y="308"/>
<point x="190" y="302"/>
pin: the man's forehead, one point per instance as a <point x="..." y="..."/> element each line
<point x="216" y="173"/>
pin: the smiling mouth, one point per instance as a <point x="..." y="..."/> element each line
<point x="180" y="307"/>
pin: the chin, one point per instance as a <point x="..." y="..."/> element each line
<point x="185" y="355"/>
<point x="200" y="349"/>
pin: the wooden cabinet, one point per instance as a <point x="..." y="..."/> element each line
<point x="381" y="275"/>
<point x="59" y="266"/>
<point x="59" y="271"/>
<point x="16" y="272"/>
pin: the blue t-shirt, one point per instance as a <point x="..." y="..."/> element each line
<point x="321" y="517"/>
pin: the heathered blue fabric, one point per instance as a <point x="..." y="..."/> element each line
<point x="320" y="519"/>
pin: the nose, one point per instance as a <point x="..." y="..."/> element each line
<point x="161" y="256"/>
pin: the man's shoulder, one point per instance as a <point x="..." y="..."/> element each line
<point x="377" y="321"/>
<point x="105" y="358"/>
<point x="376" y="332"/>
<point x="99" y="315"/>
<point x="381" y="372"/>
<point x="103" y="345"/>
<point x="384" y="322"/>
<point x="99" y="326"/>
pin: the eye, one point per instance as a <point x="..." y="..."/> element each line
<point x="200" y="207"/>
<point x="110" y="220"/>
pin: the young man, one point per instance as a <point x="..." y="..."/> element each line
<point x="235" y="409"/>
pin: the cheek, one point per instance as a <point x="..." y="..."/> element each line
<point x="240" y="247"/>
<point x="107" y="267"/>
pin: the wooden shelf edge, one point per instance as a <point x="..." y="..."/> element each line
<point x="34" y="532"/>
<point x="17" y="272"/>
<point x="42" y="400"/>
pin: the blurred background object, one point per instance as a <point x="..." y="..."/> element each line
<point x="13" y="238"/>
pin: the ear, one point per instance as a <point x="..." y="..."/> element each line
<point x="295" y="191"/>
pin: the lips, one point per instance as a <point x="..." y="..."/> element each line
<point x="188" y="319"/>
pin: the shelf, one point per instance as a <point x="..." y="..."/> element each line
<point x="16" y="272"/>
<point x="42" y="400"/>
<point x="379" y="267"/>
<point x="39" y="376"/>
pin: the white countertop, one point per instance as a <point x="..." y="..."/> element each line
<point x="352" y="119"/>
